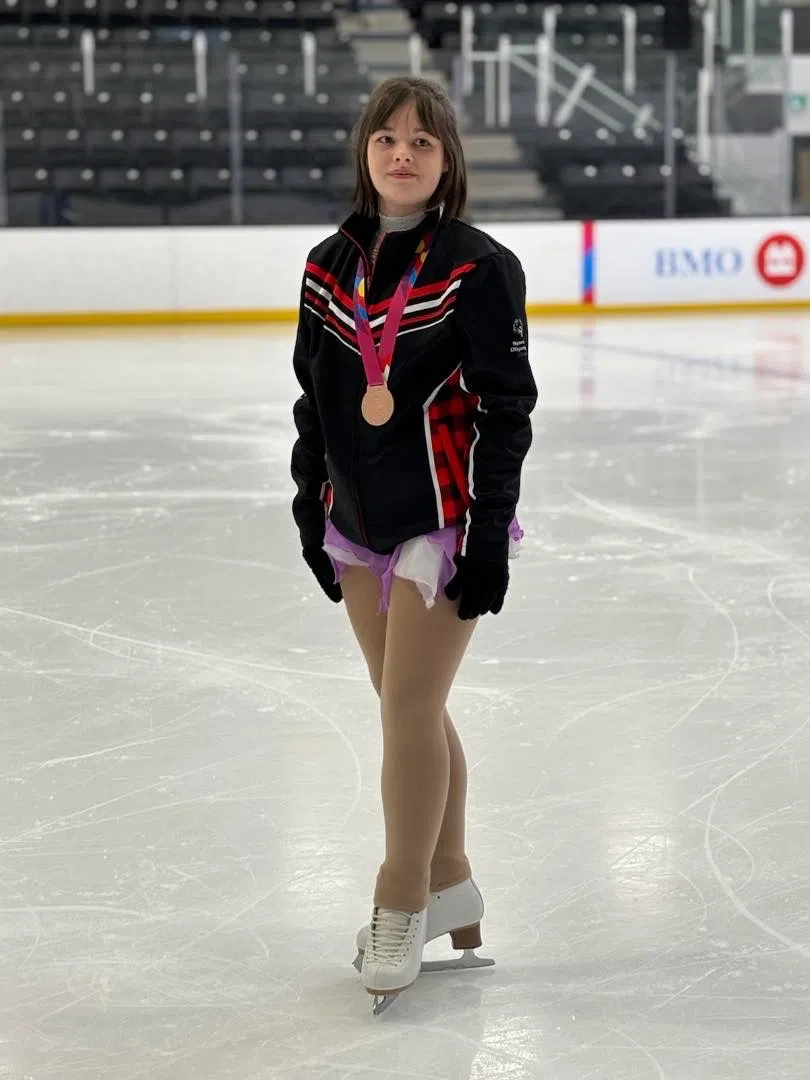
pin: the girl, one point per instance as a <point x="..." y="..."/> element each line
<point x="412" y="430"/>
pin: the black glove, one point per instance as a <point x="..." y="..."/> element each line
<point x="481" y="585"/>
<point x="321" y="566"/>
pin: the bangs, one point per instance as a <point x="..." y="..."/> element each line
<point x="428" y="116"/>
<point x="380" y="111"/>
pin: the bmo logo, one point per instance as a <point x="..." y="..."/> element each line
<point x="780" y="260"/>
<point x="707" y="262"/>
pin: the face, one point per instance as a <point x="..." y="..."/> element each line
<point x="405" y="162"/>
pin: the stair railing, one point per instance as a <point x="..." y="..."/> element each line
<point x="542" y="62"/>
<point x="3" y="179"/>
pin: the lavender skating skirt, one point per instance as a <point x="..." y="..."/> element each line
<point x="425" y="560"/>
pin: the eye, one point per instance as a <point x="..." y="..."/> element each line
<point x="385" y="139"/>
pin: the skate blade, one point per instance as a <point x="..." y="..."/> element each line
<point x="466" y="961"/>
<point x="381" y="1003"/>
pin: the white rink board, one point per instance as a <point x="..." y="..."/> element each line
<point x="551" y="255"/>
<point x="220" y="270"/>
<point x="96" y="275"/>
<point x="239" y="269"/>
<point x="720" y="261"/>
<point x="60" y="271"/>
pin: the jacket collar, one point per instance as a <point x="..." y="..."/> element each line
<point x="362" y="230"/>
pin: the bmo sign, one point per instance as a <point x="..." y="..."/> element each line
<point x="780" y="260"/>
<point x="733" y="261"/>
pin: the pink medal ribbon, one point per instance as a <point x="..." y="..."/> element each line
<point x="378" y="403"/>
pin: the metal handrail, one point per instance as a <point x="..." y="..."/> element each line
<point x="200" y="51"/>
<point x="87" y="44"/>
<point x="786" y="24"/>
<point x="630" y="19"/>
<point x="415" y="54"/>
<point x="3" y="181"/>
<point x="607" y="91"/>
<point x="309" y="50"/>
<point x="548" y="60"/>
<point x="508" y="54"/>
<point x="585" y="106"/>
<point x="235" y="139"/>
<point x="199" y="45"/>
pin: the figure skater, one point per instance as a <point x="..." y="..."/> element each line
<point x="413" y="426"/>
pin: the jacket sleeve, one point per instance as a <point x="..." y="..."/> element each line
<point x="308" y="464"/>
<point x="491" y="316"/>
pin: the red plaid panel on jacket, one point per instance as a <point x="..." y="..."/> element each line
<point x="451" y="416"/>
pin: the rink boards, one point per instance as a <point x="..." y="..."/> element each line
<point x="86" y="276"/>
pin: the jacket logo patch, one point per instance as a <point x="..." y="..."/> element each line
<point x="519" y="339"/>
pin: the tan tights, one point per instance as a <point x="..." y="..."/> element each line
<point x="413" y="654"/>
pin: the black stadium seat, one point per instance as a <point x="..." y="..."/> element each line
<point x="125" y="179"/>
<point x="106" y="146"/>
<point x="30" y="179"/>
<point x="75" y="178"/>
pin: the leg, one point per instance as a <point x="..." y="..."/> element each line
<point x="361" y="591"/>
<point x="423" y="649"/>
<point x="450" y="865"/>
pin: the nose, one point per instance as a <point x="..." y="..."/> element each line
<point x="402" y="152"/>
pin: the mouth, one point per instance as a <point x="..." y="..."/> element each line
<point x="401" y="174"/>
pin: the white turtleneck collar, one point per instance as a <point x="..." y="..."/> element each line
<point x="401" y="224"/>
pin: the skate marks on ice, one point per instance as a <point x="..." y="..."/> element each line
<point x="726" y="551"/>
<point x="754" y="685"/>
<point x="180" y="810"/>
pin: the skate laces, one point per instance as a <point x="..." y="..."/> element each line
<point x="389" y="934"/>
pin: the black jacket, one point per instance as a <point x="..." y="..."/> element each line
<point x="461" y="381"/>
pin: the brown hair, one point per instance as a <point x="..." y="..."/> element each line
<point x="437" y="116"/>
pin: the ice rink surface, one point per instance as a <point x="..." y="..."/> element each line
<point x="189" y="811"/>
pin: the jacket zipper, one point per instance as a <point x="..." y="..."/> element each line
<point x="363" y="255"/>
<point x="360" y="517"/>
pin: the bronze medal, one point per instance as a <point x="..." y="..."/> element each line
<point x="377" y="406"/>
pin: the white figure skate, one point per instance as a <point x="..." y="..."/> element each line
<point x="393" y="954"/>
<point x="456" y="911"/>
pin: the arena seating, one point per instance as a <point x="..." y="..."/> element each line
<point x="149" y="145"/>
<point x="145" y="147"/>
<point x="599" y="175"/>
